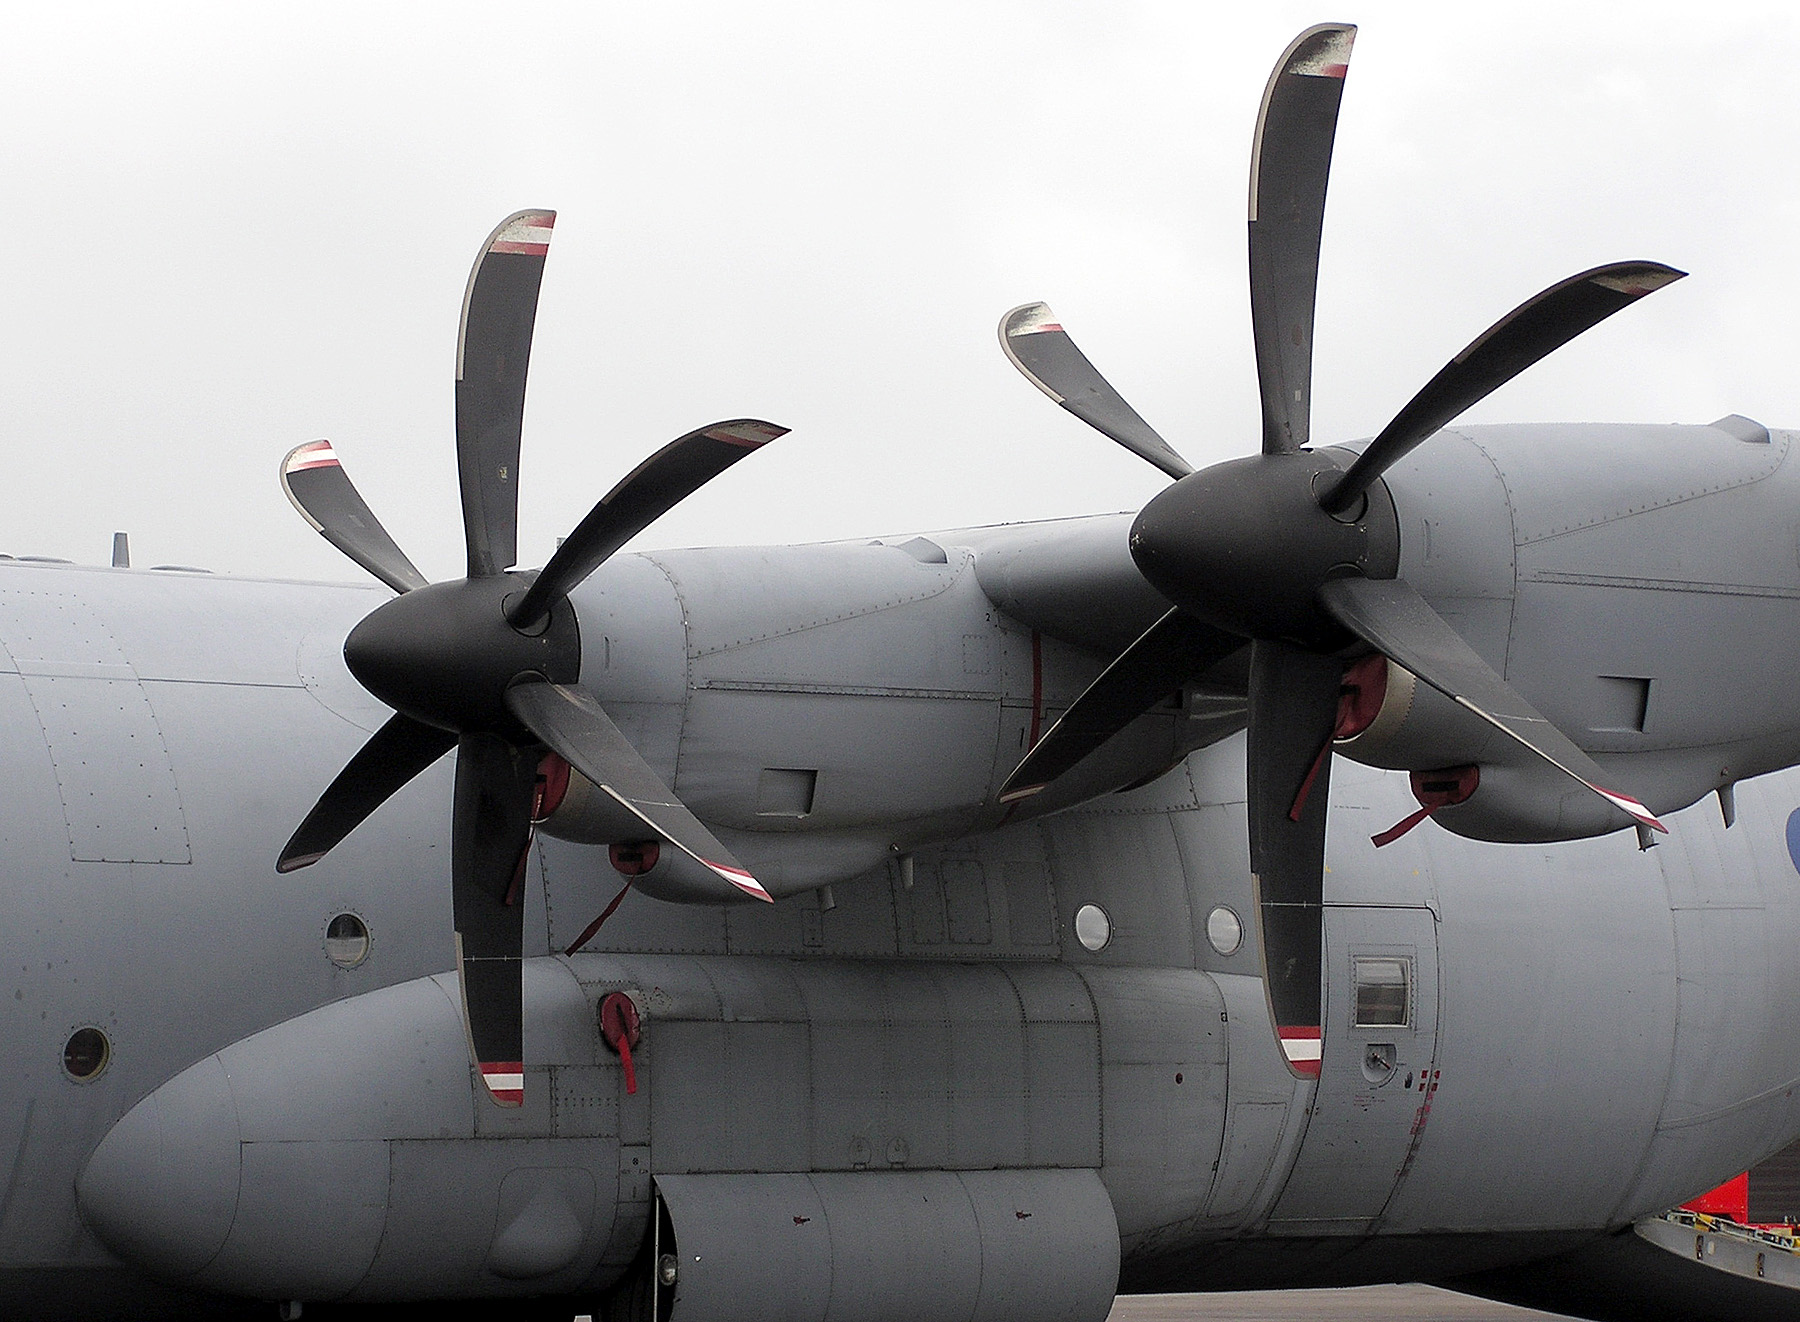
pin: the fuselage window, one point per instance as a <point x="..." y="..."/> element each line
<point x="85" y="1053"/>
<point x="1092" y="927"/>
<point x="1383" y="992"/>
<point x="1224" y="930"/>
<point x="347" y="941"/>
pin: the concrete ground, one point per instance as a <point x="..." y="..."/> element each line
<point x="1420" y="1303"/>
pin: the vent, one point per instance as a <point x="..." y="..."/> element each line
<point x="785" y="792"/>
<point x="1624" y="703"/>
<point x="925" y="551"/>
<point x="1745" y="429"/>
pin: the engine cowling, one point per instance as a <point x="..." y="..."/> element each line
<point x="1465" y="775"/>
<point x="1416" y="728"/>
<point x="569" y="806"/>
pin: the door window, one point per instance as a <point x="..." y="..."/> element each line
<point x="1383" y="992"/>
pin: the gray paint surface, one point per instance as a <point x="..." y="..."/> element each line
<point x="1608" y="1036"/>
<point x="992" y="1246"/>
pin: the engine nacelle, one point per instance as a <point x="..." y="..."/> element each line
<point x="1416" y="728"/>
<point x="1475" y="781"/>
<point x="569" y="806"/>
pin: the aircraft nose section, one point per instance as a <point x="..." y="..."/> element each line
<point x="162" y="1188"/>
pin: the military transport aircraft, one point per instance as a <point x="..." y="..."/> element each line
<point x="965" y="925"/>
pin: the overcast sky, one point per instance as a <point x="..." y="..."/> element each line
<point x="234" y="228"/>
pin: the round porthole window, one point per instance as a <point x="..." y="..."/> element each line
<point x="347" y="940"/>
<point x="1092" y="927"/>
<point x="1224" y="930"/>
<point x="85" y="1053"/>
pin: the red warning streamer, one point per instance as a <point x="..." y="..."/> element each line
<point x="1433" y="790"/>
<point x="619" y="1029"/>
<point x="1360" y="695"/>
<point x="631" y="862"/>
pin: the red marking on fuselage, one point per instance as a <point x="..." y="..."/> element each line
<point x="1423" y="1114"/>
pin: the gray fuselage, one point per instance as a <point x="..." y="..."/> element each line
<point x="1591" y="1032"/>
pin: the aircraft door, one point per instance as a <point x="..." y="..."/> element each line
<point x="1378" y="1067"/>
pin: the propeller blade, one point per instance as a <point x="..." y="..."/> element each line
<point x="1530" y="331"/>
<point x="489" y="840"/>
<point x="1168" y="654"/>
<point x="1041" y="349"/>
<point x="317" y="485"/>
<point x="1293" y="710"/>
<point x="568" y="719"/>
<point x="1393" y="618"/>
<point x="648" y="492"/>
<point x="1290" y="163"/>
<point x="493" y="350"/>
<point x="394" y="754"/>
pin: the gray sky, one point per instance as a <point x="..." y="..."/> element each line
<point x="234" y="228"/>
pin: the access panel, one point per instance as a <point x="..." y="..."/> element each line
<point x="930" y="1246"/>
<point x="1378" y="1069"/>
<point x="119" y="797"/>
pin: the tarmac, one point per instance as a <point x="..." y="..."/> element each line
<point x="1420" y="1303"/>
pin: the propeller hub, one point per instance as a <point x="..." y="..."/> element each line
<point x="445" y="654"/>
<point x="1245" y="545"/>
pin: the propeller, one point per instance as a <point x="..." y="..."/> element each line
<point x="490" y="664"/>
<point x="1293" y="554"/>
